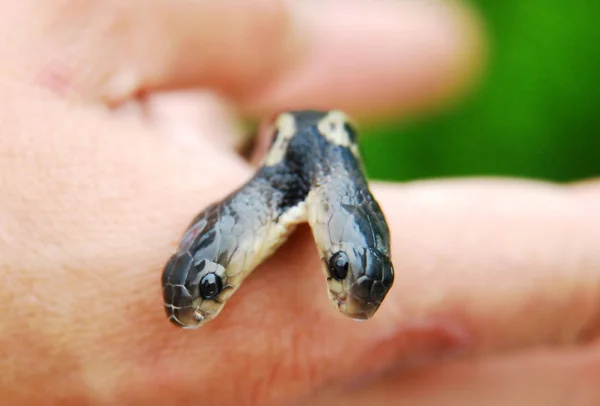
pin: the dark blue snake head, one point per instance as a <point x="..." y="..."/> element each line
<point x="192" y="290"/>
<point x="359" y="278"/>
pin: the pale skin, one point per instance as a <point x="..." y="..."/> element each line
<point x="497" y="293"/>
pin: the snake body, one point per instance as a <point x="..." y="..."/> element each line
<point x="312" y="172"/>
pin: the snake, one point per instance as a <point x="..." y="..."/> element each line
<point x="312" y="173"/>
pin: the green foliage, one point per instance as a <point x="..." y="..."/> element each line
<point x="535" y="114"/>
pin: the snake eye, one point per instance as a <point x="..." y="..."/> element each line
<point x="210" y="286"/>
<point x="338" y="265"/>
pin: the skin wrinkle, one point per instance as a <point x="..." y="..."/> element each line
<point x="463" y="384"/>
<point x="548" y="291"/>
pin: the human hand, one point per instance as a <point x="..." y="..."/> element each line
<point x="98" y="184"/>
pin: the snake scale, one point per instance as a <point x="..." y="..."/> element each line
<point x="311" y="173"/>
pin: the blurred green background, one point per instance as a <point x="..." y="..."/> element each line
<point x="535" y="113"/>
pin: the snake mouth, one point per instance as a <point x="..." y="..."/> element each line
<point x="353" y="307"/>
<point x="190" y="317"/>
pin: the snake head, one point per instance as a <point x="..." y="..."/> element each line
<point x="358" y="279"/>
<point x="192" y="290"/>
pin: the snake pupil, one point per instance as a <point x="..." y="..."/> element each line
<point x="338" y="265"/>
<point x="210" y="286"/>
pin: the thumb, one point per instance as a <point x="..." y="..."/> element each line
<point x="361" y="57"/>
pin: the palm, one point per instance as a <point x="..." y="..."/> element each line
<point x="93" y="202"/>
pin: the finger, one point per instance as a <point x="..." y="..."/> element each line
<point x="362" y="57"/>
<point x="591" y="186"/>
<point x="376" y="58"/>
<point x="565" y="377"/>
<point x="186" y="116"/>
<point x="113" y="50"/>
<point x="88" y="222"/>
<point x="511" y="262"/>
